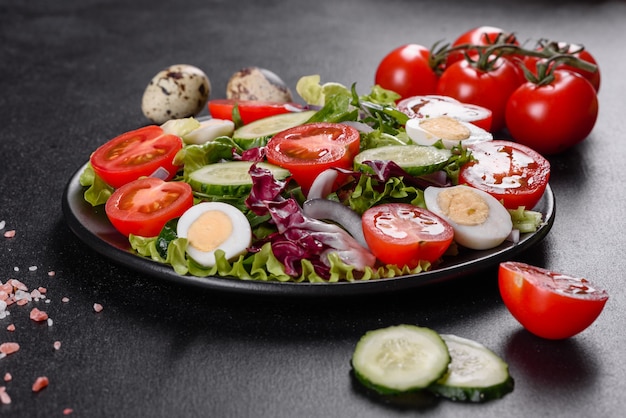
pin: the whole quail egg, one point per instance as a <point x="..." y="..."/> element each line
<point x="178" y="91"/>
<point x="254" y="83"/>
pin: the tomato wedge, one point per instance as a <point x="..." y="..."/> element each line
<point x="249" y="110"/>
<point x="136" y="154"/>
<point x="431" y="106"/>
<point x="403" y="234"/>
<point x="142" y="207"/>
<point x="511" y="172"/>
<point x="309" y="149"/>
<point x="549" y="304"/>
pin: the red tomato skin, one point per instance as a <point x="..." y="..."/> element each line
<point x="554" y="117"/>
<point x="530" y="295"/>
<point x="482" y="35"/>
<point x="490" y="89"/>
<point x="146" y="214"/>
<point x="407" y="71"/>
<point x="119" y="161"/>
<point x="594" y="77"/>
<point x="249" y="110"/>
<point x="309" y="149"/>
<point x="495" y="160"/>
<point x="427" y="235"/>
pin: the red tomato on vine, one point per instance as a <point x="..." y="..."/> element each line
<point x="487" y="82"/>
<point x="553" y="115"/>
<point x="479" y="36"/>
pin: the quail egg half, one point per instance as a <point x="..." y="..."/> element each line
<point x="479" y="220"/>
<point x="212" y="226"/>
<point x="176" y="92"/>
<point x="254" y="83"/>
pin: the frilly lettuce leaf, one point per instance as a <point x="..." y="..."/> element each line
<point x="98" y="192"/>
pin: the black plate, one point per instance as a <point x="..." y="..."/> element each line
<point x="94" y="229"/>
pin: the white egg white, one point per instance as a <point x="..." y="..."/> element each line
<point x="235" y="244"/>
<point x="421" y="136"/>
<point x="489" y="234"/>
<point x="209" y="129"/>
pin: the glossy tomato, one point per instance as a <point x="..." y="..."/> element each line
<point x="309" y="149"/>
<point x="553" y="117"/>
<point x="142" y="207"/>
<point x="577" y="51"/>
<point x="510" y="172"/>
<point x="487" y="87"/>
<point x="407" y="70"/>
<point x="136" y="154"/>
<point x="549" y="304"/>
<point x="403" y="234"/>
<point x="479" y="36"/>
<point x="249" y="110"/>
<point x="431" y="106"/>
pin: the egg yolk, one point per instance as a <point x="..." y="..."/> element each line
<point x="210" y="230"/>
<point x="463" y="206"/>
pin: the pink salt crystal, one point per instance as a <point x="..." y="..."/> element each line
<point x="8" y="377"/>
<point x="37" y="315"/>
<point x="9" y="234"/>
<point x="51" y="273"/>
<point x="5" y="399"/>
<point x="65" y="300"/>
<point x="57" y="345"/>
<point x="97" y="307"/>
<point x="42" y="290"/>
<point x="9" y="348"/>
<point x="67" y="411"/>
<point x="18" y="285"/>
<point x="40" y="383"/>
<point x="11" y="327"/>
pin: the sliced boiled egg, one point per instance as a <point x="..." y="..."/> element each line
<point x="479" y="220"/>
<point x="449" y="130"/>
<point x="212" y="226"/>
<point x="209" y="129"/>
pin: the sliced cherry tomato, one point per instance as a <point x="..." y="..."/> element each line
<point x="577" y="51"/>
<point x="142" y="207"/>
<point x="552" y="117"/>
<point x="479" y="36"/>
<point x="407" y="71"/>
<point x="249" y="110"/>
<point x="136" y="154"/>
<point x="510" y="172"/>
<point x="549" y="304"/>
<point x="403" y="234"/>
<point x="487" y="87"/>
<point x="430" y="106"/>
<point x="309" y="149"/>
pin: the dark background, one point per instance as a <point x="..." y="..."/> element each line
<point x="72" y="74"/>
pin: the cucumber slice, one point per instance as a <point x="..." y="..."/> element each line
<point x="400" y="358"/>
<point x="272" y="125"/>
<point x="230" y="178"/>
<point x="416" y="160"/>
<point x="476" y="374"/>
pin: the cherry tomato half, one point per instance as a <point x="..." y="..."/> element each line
<point x="510" y="172"/>
<point x="490" y="88"/>
<point x="430" y="106"/>
<point x="249" y="110"/>
<point x="142" y="207"/>
<point x="403" y="234"/>
<point x="309" y="149"/>
<point x="549" y="304"/>
<point x="407" y="71"/>
<point x="136" y="154"/>
<point x="553" y="117"/>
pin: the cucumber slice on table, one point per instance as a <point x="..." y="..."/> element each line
<point x="416" y="160"/>
<point x="476" y="374"/>
<point x="400" y="358"/>
<point x="230" y="178"/>
<point x="272" y="125"/>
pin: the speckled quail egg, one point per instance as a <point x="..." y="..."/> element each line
<point x="449" y="130"/>
<point x="254" y="83"/>
<point x="176" y="92"/>
<point x="479" y="220"/>
<point x="212" y="226"/>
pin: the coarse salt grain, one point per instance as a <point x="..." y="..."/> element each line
<point x="97" y="307"/>
<point x="51" y="273"/>
<point x="67" y="411"/>
<point x="50" y="322"/>
<point x="8" y="377"/>
<point x="65" y="300"/>
<point x="40" y="383"/>
<point x="9" y="348"/>
<point x="5" y="399"/>
<point x="32" y="268"/>
<point x="57" y="345"/>
<point x="37" y="315"/>
<point x="2" y="224"/>
<point x="11" y="327"/>
<point x="9" y="234"/>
